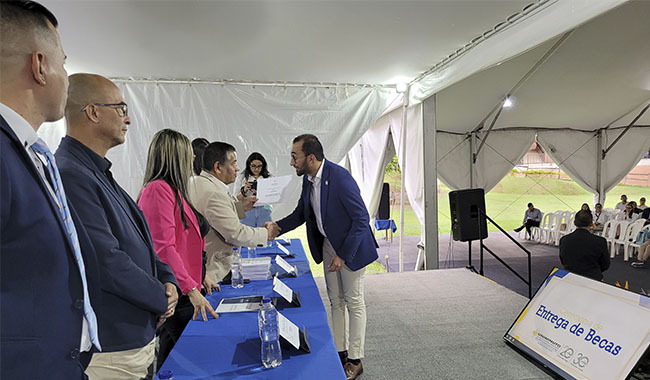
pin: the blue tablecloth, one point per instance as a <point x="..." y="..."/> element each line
<point x="384" y="224"/>
<point x="229" y="347"/>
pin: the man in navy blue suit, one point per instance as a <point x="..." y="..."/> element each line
<point x="138" y="290"/>
<point x="47" y="264"/>
<point x="339" y="235"/>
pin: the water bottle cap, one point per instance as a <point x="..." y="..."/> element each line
<point x="266" y="300"/>
<point x="166" y="374"/>
<point x="235" y="248"/>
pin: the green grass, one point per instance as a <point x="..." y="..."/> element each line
<point x="506" y="204"/>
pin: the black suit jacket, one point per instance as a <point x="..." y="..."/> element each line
<point x="585" y="254"/>
<point x="41" y="294"/>
<point x="132" y="275"/>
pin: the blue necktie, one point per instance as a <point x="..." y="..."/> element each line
<point x="40" y="147"/>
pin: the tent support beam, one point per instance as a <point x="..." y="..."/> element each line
<point x="526" y="76"/>
<point x="625" y="131"/>
<point x="475" y="155"/>
<point x="430" y="152"/>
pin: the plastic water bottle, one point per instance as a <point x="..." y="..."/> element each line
<point x="166" y="375"/>
<point x="269" y="333"/>
<point x="235" y="268"/>
<point x="251" y="252"/>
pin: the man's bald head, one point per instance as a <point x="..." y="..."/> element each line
<point x="84" y="89"/>
<point x="95" y="113"/>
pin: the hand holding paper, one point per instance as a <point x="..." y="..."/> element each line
<point x="272" y="190"/>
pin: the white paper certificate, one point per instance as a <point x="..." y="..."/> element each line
<point x="289" y="331"/>
<point x="283" y="264"/>
<point x="282" y="289"/>
<point x="272" y="190"/>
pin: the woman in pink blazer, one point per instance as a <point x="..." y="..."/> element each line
<point x="175" y="230"/>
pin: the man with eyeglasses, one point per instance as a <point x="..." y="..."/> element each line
<point x="339" y="235"/>
<point x="138" y="290"/>
<point x="48" y="271"/>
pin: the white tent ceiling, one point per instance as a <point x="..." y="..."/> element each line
<point x="375" y="42"/>
<point x="600" y="73"/>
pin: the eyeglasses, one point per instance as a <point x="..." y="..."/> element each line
<point x="121" y="108"/>
<point x="256" y="166"/>
<point x="295" y="159"/>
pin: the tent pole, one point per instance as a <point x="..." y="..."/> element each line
<point x="430" y="151"/>
<point x="474" y="155"/>
<point x="402" y="187"/>
<point x="599" y="168"/>
<point x="625" y="130"/>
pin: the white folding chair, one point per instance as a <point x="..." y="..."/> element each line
<point x="547" y="230"/>
<point x="622" y="227"/>
<point x="628" y="248"/>
<point x="563" y="219"/>
<point x="609" y="233"/>
<point x="569" y="217"/>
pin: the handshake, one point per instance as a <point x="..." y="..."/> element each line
<point x="272" y="229"/>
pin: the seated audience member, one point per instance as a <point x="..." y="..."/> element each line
<point x="629" y="214"/>
<point x="646" y="214"/>
<point x="583" y="253"/>
<point x="246" y="186"/>
<point x="642" y="204"/>
<point x="635" y="209"/>
<point x="138" y="290"/>
<point x="210" y="195"/>
<point x="585" y="207"/>
<point x="599" y="217"/>
<point x="532" y="218"/>
<point x="644" y="253"/>
<point x="621" y="205"/>
<point x="175" y="230"/>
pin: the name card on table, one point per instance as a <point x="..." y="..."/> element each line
<point x="291" y="334"/>
<point x="282" y="263"/>
<point x="282" y="289"/>
<point x="289" y="297"/>
<point x="284" y="250"/>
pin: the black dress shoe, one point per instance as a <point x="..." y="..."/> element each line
<point x="519" y="229"/>
<point x="352" y="371"/>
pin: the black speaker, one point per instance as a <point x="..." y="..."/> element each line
<point x="467" y="223"/>
<point x="384" y="203"/>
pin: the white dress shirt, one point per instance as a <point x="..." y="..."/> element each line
<point x="315" y="196"/>
<point x="27" y="136"/>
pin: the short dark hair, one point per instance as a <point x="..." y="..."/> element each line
<point x="583" y="218"/>
<point x="18" y="16"/>
<point x="198" y="146"/>
<point x="598" y="204"/>
<point x="216" y="152"/>
<point x="530" y="204"/>
<point x="310" y="145"/>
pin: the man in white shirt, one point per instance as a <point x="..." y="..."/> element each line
<point x="621" y="205"/>
<point x="210" y="194"/>
<point x="532" y="218"/>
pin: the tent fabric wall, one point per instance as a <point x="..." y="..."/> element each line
<point x="251" y="118"/>
<point x="367" y="162"/>
<point x="576" y="153"/>
<point x="500" y="153"/>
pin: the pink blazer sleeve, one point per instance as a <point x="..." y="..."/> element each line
<point x="158" y="205"/>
